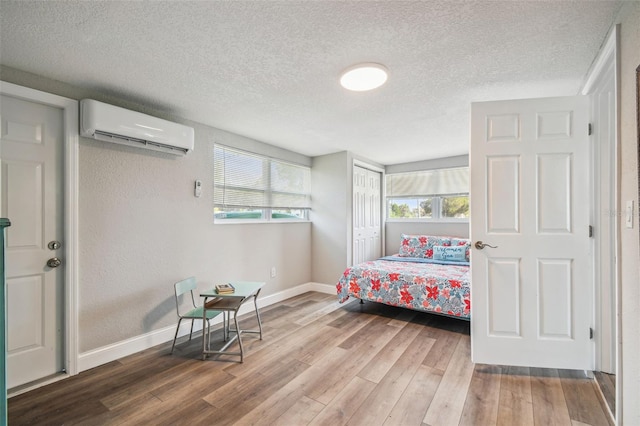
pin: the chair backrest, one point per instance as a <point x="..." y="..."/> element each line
<point x="185" y="286"/>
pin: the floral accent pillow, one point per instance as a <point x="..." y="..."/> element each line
<point x="421" y="245"/>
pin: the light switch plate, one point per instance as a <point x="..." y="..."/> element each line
<point x="197" y="188"/>
<point x="629" y="214"/>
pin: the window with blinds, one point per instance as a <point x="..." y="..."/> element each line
<point x="249" y="186"/>
<point x="441" y="194"/>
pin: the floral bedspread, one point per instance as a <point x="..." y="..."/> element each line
<point x="407" y="283"/>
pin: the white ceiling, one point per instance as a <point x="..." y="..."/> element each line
<point x="269" y="69"/>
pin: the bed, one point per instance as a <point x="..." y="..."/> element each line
<point x="429" y="274"/>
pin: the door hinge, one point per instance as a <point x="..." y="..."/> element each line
<point x="590" y="231"/>
<point x="590" y="129"/>
<point x="590" y="333"/>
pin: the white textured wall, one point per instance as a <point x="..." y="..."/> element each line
<point x="629" y="19"/>
<point x="141" y="229"/>
<point x="438" y="163"/>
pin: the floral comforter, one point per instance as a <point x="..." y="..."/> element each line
<point x="410" y="283"/>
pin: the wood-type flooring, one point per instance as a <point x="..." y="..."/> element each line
<point x="320" y="363"/>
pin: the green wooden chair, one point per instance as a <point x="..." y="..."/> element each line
<point x="191" y="311"/>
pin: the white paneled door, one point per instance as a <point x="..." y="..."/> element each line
<point x="531" y="295"/>
<point x="367" y="227"/>
<point x="31" y="152"/>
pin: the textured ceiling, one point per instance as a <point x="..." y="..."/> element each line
<point x="269" y="69"/>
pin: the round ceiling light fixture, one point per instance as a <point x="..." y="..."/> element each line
<point x="363" y="77"/>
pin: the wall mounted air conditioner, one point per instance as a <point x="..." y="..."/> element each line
<point x="118" y="125"/>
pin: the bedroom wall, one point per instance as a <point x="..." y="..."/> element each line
<point x="437" y="163"/>
<point x="330" y="217"/>
<point x="331" y="214"/>
<point x="393" y="229"/>
<point x="141" y="229"/>
<point x="629" y="295"/>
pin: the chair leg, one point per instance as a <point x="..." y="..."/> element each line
<point x="191" y="331"/>
<point x="176" y="335"/>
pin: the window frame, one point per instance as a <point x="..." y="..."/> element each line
<point x="266" y="213"/>
<point x="436" y="202"/>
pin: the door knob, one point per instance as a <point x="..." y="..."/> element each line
<point x="54" y="262"/>
<point x="480" y="245"/>
<point x="54" y="245"/>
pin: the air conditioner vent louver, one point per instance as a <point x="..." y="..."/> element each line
<point x="109" y="123"/>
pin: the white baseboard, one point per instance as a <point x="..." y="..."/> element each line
<point x="105" y="354"/>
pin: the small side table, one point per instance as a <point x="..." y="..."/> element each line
<point x="228" y="303"/>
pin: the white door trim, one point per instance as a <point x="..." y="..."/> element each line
<point x="608" y="62"/>
<point x="71" y="141"/>
<point x="603" y="59"/>
<point x="367" y="166"/>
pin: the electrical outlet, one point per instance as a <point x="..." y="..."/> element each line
<point x="197" y="188"/>
<point x="273" y="272"/>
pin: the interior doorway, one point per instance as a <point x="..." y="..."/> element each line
<point x="32" y="178"/>
<point x="68" y="198"/>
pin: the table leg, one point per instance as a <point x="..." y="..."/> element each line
<point x="255" y="303"/>
<point x="226" y="319"/>
<point x="238" y="333"/>
<point x="227" y="323"/>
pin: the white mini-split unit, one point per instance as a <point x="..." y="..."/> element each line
<point x="118" y="125"/>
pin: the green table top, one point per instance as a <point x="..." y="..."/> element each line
<point x="243" y="289"/>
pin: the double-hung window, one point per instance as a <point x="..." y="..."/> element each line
<point x="252" y="187"/>
<point x="441" y="194"/>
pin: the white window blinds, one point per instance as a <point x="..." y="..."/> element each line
<point x="243" y="179"/>
<point x="428" y="182"/>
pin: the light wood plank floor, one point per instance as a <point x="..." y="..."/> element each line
<point x="320" y="363"/>
<point x="607" y="383"/>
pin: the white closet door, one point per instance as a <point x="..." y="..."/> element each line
<point x="367" y="227"/>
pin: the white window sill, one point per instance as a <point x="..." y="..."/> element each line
<point x="256" y="221"/>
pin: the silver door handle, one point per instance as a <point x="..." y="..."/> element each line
<point x="54" y="262"/>
<point x="480" y="245"/>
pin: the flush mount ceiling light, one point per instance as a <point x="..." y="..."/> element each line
<point x="363" y="77"/>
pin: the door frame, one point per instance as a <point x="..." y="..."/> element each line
<point x="607" y="244"/>
<point x="70" y="146"/>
